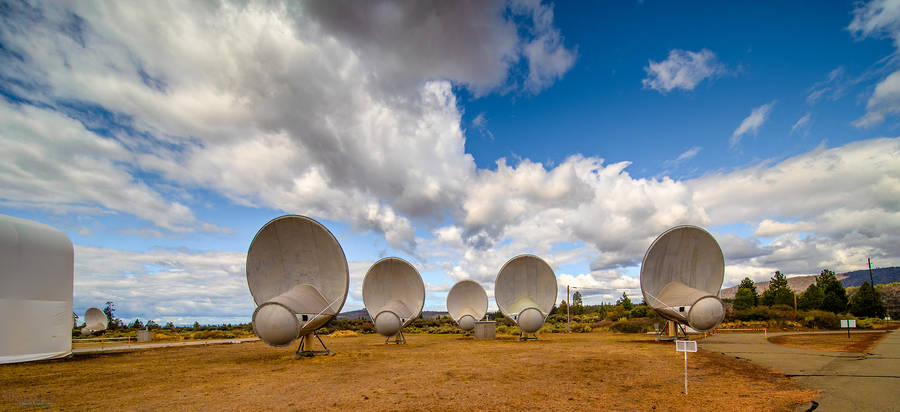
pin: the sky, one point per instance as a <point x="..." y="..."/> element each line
<point x="160" y="136"/>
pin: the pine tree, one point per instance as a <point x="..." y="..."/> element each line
<point x="746" y="296"/>
<point x="577" y="305"/>
<point x="835" y="297"/>
<point x="110" y="311"/>
<point x="625" y="302"/>
<point x="779" y="293"/>
<point x="564" y="308"/>
<point x="811" y="298"/>
<point x="867" y="302"/>
<point x="748" y="283"/>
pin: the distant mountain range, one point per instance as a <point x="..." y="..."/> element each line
<point x="855" y="278"/>
<point x="361" y="313"/>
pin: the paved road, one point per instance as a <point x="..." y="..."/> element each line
<point x="117" y="347"/>
<point x="851" y="381"/>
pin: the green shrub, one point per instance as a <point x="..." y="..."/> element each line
<point x="639" y="311"/>
<point x="821" y="319"/>
<point x="631" y="326"/>
<point x="757" y="313"/>
<point x="581" y="328"/>
<point x="213" y="334"/>
<point x="865" y="323"/>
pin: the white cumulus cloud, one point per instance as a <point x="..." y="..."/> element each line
<point x="337" y="109"/>
<point x="879" y="18"/>
<point x="884" y="101"/>
<point x="683" y="69"/>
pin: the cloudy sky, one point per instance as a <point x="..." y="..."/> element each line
<point x="161" y="136"/>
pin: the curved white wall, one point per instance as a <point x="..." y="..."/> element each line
<point x="36" y="275"/>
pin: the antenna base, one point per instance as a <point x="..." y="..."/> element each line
<point x="303" y="352"/>
<point x="670" y="332"/>
<point x="524" y="337"/>
<point x="398" y="338"/>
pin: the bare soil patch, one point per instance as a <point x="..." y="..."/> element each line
<point x="595" y="371"/>
<point x="832" y="342"/>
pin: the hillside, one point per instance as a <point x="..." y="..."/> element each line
<point x="880" y="276"/>
<point x="855" y="278"/>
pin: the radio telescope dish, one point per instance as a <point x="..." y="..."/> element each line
<point x="525" y="292"/>
<point x="94" y="321"/>
<point x="681" y="276"/>
<point x="394" y="295"/>
<point x="467" y="303"/>
<point x="298" y="275"/>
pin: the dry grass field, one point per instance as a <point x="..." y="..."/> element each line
<point x="595" y="371"/>
<point x="832" y="342"/>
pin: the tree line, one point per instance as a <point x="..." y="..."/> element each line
<point x="827" y="293"/>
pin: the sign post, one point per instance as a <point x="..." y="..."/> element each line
<point x="568" y="322"/>
<point x="685" y="346"/>
<point x="848" y="323"/>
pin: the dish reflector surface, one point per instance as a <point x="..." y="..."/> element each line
<point x="294" y="250"/>
<point x="681" y="275"/>
<point x="394" y="294"/>
<point x="467" y="302"/>
<point x="298" y="276"/>
<point x="525" y="281"/>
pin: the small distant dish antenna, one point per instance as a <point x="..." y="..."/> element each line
<point x="525" y="292"/>
<point x="681" y="276"/>
<point x="94" y="321"/>
<point x="394" y="295"/>
<point x="298" y="275"/>
<point x="467" y="303"/>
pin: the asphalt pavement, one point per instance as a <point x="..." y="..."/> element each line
<point x="120" y="347"/>
<point x="851" y="381"/>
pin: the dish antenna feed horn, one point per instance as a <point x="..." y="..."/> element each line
<point x="394" y="295"/>
<point x="525" y="292"/>
<point x="467" y="303"/>
<point x="298" y="275"/>
<point x="681" y="275"/>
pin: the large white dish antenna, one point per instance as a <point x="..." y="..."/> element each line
<point x="94" y="321"/>
<point x="467" y="303"/>
<point x="298" y="275"/>
<point x="525" y="292"/>
<point x="394" y="295"/>
<point x="681" y="276"/>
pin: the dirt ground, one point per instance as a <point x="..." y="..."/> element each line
<point x="833" y="342"/>
<point x="595" y="371"/>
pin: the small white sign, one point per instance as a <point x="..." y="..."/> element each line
<point x="848" y="323"/>
<point x="685" y="346"/>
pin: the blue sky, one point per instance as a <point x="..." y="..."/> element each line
<point x="160" y="137"/>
